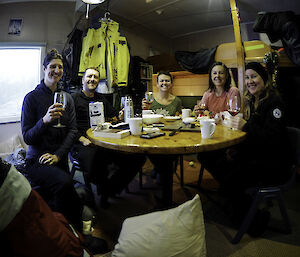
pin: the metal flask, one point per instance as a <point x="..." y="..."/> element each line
<point x="128" y="109"/>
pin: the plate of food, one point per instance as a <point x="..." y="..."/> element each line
<point x="171" y="118"/>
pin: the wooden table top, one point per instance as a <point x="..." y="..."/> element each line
<point x="180" y="143"/>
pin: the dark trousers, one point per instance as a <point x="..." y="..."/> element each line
<point x="126" y="166"/>
<point x="94" y="162"/>
<point x="57" y="188"/>
<point x="164" y="165"/>
<point x="236" y="171"/>
<point x="110" y="170"/>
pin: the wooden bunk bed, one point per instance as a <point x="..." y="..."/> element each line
<point x="233" y="55"/>
<point x="189" y="84"/>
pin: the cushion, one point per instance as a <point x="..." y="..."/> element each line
<point x="8" y="146"/>
<point x="175" y="232"/>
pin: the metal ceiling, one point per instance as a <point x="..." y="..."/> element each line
<point x="175" y="18"/>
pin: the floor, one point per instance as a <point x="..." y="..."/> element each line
<point x="218" y="228"/>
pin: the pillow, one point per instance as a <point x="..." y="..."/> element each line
<point x="8" y="146"/>
<point x="175" y="232"/>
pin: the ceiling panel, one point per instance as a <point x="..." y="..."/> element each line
<point x="172" y="18"/>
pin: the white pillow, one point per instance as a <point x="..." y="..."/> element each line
<point x="176" y="232"/>
<point x="8" y="146"/>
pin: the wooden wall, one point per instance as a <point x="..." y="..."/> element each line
<point x="186" y="83"/>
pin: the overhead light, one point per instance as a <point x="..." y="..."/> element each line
<point x="93" y="1"/>
<point x="88" y="2"/>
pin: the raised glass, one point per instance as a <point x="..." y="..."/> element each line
<point x="60" y="97"/>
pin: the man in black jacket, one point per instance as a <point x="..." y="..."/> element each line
<point x="95" y="160"/>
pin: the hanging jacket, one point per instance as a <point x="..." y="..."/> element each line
<point x="284" y="26"/>
<point x="104" y="48"/>
<point x="196" y="62"/>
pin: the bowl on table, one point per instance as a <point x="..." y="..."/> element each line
<point x="152" y="118"/>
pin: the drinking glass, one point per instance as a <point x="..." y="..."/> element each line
<point x="233" y="105"/>
<point x="202" y="107"/>
<point x="149" y="97"/>
<point x="59" y="97"/>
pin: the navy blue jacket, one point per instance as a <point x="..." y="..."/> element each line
<point x="266" y="146"/>
<point x="44" y="138"/>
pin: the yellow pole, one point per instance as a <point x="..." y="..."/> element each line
<point x="239" y="47"/>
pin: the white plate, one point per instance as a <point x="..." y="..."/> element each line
<point x="150" y="130"/>
<point x="188" y="120"/>
<point x="171" y="118"/>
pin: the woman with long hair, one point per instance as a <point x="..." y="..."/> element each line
<point x="221" y="88"/>
<point x="262" y="159"/>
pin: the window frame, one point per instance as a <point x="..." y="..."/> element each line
<point x="22" y="45"/>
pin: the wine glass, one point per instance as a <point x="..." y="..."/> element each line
<point x="60" y="97"/>
<point x="233" y="105"/>
<point x="202" y="107"/>
<point x="149" y="97"/>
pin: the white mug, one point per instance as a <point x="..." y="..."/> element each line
<point x="186" y="113"/>
<point x="208" y="127"/>
<point x="135" y="126"/>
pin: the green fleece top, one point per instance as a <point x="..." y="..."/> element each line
<point x="167" y="110"/>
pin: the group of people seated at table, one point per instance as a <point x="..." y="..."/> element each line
<point x="261" y="159"/>
<point x="235" y="168"/>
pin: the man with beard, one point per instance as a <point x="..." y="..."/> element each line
<point x="94" y="159"/>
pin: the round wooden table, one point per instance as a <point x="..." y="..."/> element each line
<point x="164" y="146"/>
<point x="180" y="143"/>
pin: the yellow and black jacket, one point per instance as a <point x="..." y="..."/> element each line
<point x="105" y="49"/>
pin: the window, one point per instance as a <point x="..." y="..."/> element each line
<point x="20" y="70"/>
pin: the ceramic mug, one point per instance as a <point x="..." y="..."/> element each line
<point x="208" y="128"/>
<point x="135" y="126"/>
<point x="186" y="113"/>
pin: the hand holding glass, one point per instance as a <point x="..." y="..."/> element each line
<point x="149" y="97"/>
<point x="233" y="105"/>
<point x="59" y="97"/>
<point x="201" y="107"/>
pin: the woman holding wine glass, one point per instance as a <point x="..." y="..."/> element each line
<point x="163" y="102"/>
<point x="262" y="159"/>
<point x="221" y="89"/>
<point x="48" y="146"/>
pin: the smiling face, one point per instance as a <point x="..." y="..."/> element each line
<point x="53" y="72"/>
<point x="218" y="76"/>
<point x="254" y="82"/>
<point x="90" y="80"/>
<point x="164" y="82"/>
